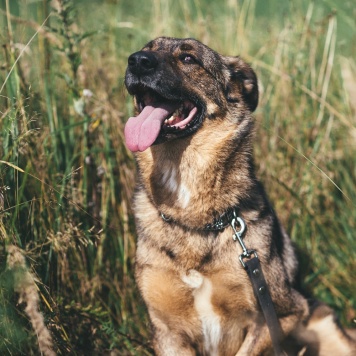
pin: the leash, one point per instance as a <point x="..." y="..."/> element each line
<point x="251" y="263"/>
<point x="259" y="285"/>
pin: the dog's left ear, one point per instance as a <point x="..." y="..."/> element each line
<point x="242" y="82"/>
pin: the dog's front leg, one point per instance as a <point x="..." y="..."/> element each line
<point x="168" y="342"/>
<point x="255" y="342"/>
<point x="258" y="341"/>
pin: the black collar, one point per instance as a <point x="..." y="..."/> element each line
<point x="218" y="224"/>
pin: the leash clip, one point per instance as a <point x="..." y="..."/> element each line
<point x="238" y="236"/>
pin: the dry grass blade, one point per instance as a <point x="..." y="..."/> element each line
<point x="25" y="286"/>
<point x="318" y="168"/>
<point x="21" y="53"/>
<point x="275" y="70"/>
<point x="51" y="188"/>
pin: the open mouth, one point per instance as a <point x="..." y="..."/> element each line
<point x="159" y="120"/>
<point x="180" y="114"/>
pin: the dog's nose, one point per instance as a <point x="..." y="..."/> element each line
<point x="142" y="62"/>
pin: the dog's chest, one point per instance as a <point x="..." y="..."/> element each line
<point x="192" y="282"/>
<point x="208" y="304"/>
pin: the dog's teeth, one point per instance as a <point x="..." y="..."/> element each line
<point x="169" y="121"/>
<point x="179" y="115"/>
<point x="178" y="112"/>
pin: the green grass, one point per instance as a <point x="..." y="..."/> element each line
<point x="66" y="179"/>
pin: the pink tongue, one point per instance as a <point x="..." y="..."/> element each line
<point x="141" y="131"/>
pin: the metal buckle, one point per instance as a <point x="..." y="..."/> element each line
<point x="238" y="236"/>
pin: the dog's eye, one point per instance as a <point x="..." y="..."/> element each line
<point x="187" y="58"/>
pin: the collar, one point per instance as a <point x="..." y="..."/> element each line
<point x="218" y="224"/>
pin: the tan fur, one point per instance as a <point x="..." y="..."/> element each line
<point x="198" y="296"/>
<point x="322" y="335"/>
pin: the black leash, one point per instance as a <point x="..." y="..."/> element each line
<point x="254" y="271"/>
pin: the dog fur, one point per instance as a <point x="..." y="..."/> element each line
<point x="199" y="298"/>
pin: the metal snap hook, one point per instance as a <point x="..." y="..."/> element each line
<point x="238" y="236"/>
<point x="241" y="223"/>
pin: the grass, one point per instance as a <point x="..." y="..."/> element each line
<point x="66" y="178"/>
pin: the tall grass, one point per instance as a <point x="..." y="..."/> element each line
<point x="66" y="178"/>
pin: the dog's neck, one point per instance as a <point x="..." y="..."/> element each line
<point x="196" y="179"/>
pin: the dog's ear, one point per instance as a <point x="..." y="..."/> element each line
<point x="242" y="82"/>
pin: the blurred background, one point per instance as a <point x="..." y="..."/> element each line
<point x="67" y="236"/>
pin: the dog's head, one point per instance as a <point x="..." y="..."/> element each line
<point x="179" y="83"/>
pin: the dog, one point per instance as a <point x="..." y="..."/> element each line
<point x="192" y="139"/>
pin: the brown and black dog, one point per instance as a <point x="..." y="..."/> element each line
<point x="193" y="142"/>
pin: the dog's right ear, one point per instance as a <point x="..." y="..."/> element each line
<point x="242" y="82"/>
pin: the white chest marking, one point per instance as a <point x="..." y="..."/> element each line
<point x="169" y="180"/>
<point x="202" y="301"/>
<point x="183" y="195"/>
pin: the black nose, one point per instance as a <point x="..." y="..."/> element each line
<point x="142" y="62"/>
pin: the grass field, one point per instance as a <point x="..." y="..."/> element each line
<point x="67" y="238"/>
